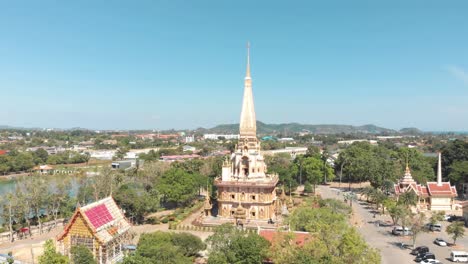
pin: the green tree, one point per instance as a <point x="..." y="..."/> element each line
<point x="408" y="199"/>
<point x="81" y="255"/>
<point x="313" y="169"/>
<point x="417" y="225"/>
<point x="458" y="171"/>
<point x="456" y="229"/>
<point x="41" y="156"/>
<point x="436" y="217"/>
<point x="10" y="205"/>
<point x="136" y="201"/>
<point x="177" y="186"/>
<point x="396" y="212"/>
<point x="51" y="256"/>
<point x="161" y="248"/>
<point x="189" y="244"/>
<point x="230" y="245"/>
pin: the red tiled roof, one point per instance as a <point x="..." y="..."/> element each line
<point x="99" y="215"/>
<point x="424" y="191"/>
<point x="440" y="190"/>
<point x="300" y="238"/>
<point x="3" y="152"/>
<point x="454" y="190"/>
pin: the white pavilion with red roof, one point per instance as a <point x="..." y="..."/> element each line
<point x="435" y="196"/>
<point x="101" y="227"/>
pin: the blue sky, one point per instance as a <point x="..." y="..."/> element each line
<point x="180" y="64"/>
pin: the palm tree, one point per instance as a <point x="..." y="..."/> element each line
<point x="456" y="229"/>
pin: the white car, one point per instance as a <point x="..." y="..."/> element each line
<point x="439" y="241"/>
<point x="430" y="261"/>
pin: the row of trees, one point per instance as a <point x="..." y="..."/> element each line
<point x="310" y="169"/>
<point x="139" y="192"/>
<point x="23" y="161"/>
<point x="35" y="200"/>
<point x="382" y="165"/>
<point x="157" y="184"/>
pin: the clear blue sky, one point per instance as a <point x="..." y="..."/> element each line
<point x="180" y="64"/>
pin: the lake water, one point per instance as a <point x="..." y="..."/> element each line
<point x="9" y="185"/>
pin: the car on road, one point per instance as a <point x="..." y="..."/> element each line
<point x="425" y="256"/>
<point x="430" y="261"/>
<point x="441" y="242"/>
<point x="419" y="250"/>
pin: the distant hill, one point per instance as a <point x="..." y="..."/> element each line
<point x="291" y="128"/>
<point x="411" y="131"/>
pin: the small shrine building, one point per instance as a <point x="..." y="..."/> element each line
<point x="101" y="227"/>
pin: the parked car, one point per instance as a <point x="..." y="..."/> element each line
<point x="430" y="261"/>
<point x="425" y="256"/>
<point x="455" y="218"/>
<point x="400" y="231"/>
<point x="435" y="227"/>
<point x="439" y="241"/>
<point x="419" y="250"/>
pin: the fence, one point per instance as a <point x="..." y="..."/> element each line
<point x="46" y="227"/>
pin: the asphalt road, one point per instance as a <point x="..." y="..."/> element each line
<point x="381" y="238"/>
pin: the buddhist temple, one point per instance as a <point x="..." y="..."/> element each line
<point x="435" y="196"/>
<point x="245" y="190"/>
<point x="101" y="227"/>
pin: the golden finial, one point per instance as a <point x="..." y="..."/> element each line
<point x="407" y="170"/>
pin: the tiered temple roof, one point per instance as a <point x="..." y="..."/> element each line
<point x="432" y="189"/>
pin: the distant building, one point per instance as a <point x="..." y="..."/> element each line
<point x="170" y="158"/>
<point x="43" y="169"/>
<point x="190" y="139"/>
<point x="110" y="142"/>
<point x="3" y="152"/>
<point x="50" y="150"/>
<point x="349" y="142"/>
<point x="102" y="154"/>
<point x="388" y="137"/>
<point x="124" y="164"/>
<point x="293" y="151"/>
<point x="286" y="139"/>
<point x="101" y="227"/>
<point x="189" y="148"/>
<point x="220" y="136"/>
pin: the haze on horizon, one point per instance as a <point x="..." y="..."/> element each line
<point x="178" y="64"/>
